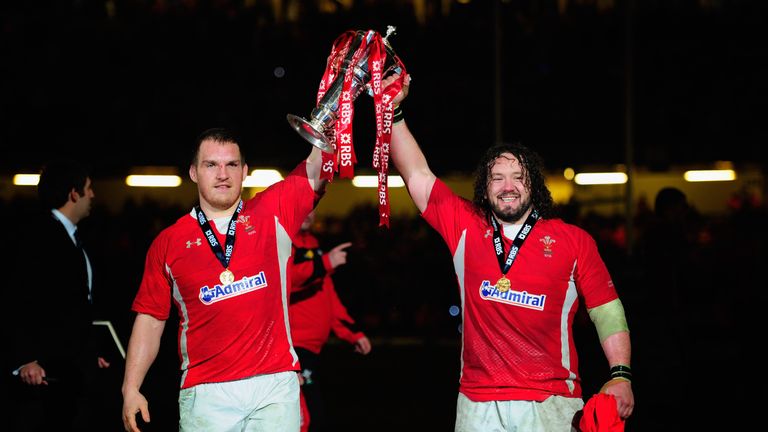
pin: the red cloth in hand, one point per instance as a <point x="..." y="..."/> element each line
<point x="601" y="415"/>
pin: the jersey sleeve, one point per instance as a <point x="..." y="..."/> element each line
<point x="307" y="268"/>
<point x="447" y="213"/>
<point x="342" y="324"/>
<point x="292" y="198"/>
<point x="154" y="295"/>
<point x="592" y="277"/>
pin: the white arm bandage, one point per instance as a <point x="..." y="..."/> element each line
<point x="609" y="319"/>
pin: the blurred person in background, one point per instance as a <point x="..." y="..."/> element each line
<point x="315" y="310"/>
<point x="57" y="364"/>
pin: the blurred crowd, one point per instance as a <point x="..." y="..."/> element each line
<point x="691" y="287"/>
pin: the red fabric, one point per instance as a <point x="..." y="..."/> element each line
<point x="343" y="159"/>
<point x="557" y="269"/>
<point x="601" y="415"/>
<point x="304" y="413"/>
<point x="234" y="331"/>
<point x="312" y="319"/>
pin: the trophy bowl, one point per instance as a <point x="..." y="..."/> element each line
<point x="324" y="116"/>
<point x="313" y="133"/>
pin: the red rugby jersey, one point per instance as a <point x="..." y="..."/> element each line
<point x="241" y="329"/>
<point x="519" y="345"/>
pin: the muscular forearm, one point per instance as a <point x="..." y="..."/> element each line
<point x="142" y="350"/>
<point x="617" y="348"/>
<point x="618" y="352"/>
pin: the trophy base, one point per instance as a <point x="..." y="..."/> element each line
<point x="310" y="133"/>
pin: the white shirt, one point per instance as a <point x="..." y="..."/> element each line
<point x="71" y="228"/>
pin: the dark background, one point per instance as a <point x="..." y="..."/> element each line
<point x="685" y="78"/>
<point x="682" y="81"/>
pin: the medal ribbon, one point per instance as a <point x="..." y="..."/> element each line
<point x="229" y="245"/>
<point x="498" y="243"/>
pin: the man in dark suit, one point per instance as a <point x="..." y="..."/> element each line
<point x="53" y="357"/>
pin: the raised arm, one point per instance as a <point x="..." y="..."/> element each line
<point x="314" y="165"/>
<point x="142" y="351"/>
<point x="408" y="157"/>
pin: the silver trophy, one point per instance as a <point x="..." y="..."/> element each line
<point x="325" y="114"/>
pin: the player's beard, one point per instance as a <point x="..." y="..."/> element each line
<point x="511" y="215"/>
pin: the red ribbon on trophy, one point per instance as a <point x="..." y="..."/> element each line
<point x="364" y="58"/>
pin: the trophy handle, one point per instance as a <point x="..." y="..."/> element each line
<point x="310" y="132"/>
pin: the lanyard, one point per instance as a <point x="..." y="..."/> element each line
<point x="229" y="245"/>
<point x="498" y="244"/>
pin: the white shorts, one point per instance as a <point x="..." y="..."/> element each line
<point x="554" y="414"/>
<point x="263" y="403"/>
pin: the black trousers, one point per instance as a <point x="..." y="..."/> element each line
<point x="313" y="390"/>
<point x="91" y="403"/>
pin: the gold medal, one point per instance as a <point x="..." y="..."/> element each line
<point x="227" y="277"/>
<point x="503" y="284"/>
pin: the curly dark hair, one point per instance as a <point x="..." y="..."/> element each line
<point x="541" y="198"/>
